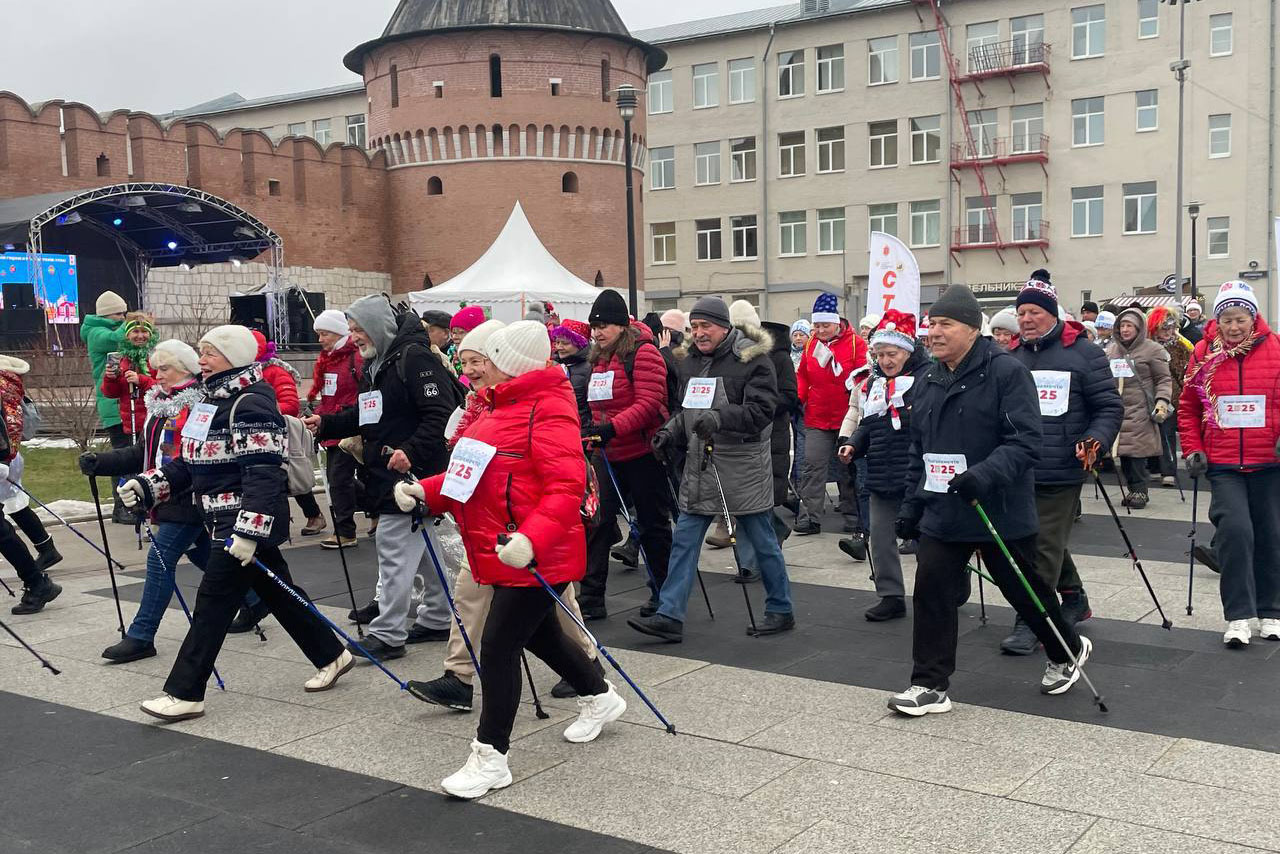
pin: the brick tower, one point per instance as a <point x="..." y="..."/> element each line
<point x="479" y="104"/>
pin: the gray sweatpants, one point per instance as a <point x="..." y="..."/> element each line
<point x="884" y="547"/>
<point x="400" y="558"/>
<point x="819" y="449"/>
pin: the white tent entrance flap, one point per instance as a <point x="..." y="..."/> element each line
<point x="514" y="271"/>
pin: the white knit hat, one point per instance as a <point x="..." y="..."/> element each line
<point x="235" y="342"/>
<point x="110" y="303"/>
<point x="1235" y="294"/>
<point x="476" y="338"/>
<point x="1005" y="319"/>
<point x="176" y="352"/>
<point x="743" y="313"/>
<point x="871" y="321"/>
<point x="519" y="348"/>
<point x="332" y="320"/>
<point x="1105" y="320"/>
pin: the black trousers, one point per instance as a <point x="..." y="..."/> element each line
<point x="1134" y="470"/>
<point x="308" y="505"/>
<point x="941" y="582"/>
<point x="525" y="618"/>
<point x="15" y="551"/>
<point x="340" y="470"/>
<point x="644" y="481"/>
<point x="222" y="591"/>
<point x="31" y="525"/>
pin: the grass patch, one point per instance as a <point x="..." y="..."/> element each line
<point x="53" y="473"/>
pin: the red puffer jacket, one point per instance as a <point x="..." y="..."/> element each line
<point x="282" y="378"/>
<point x="638" y="406"/>
<point x="345" y="365"/>
<point x="825" y="395"/>
<point x="133" y="412"/>
<point x="532" y="488"/>
<point x="1255" y="373"/>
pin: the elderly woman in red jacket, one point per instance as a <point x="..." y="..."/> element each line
<point x="518" y="472"/>
<point x="1229" y="418"/>
<point x="335" y="384"/>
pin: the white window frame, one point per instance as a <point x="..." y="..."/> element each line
<point x="1216" y="27"/>
<point x="792" y="72"/>
<point x="359" y="124"/>
<point x="1153" y="109"/>
<point x="1089" y="205"/>
<point x="926" y="48"/>
<point x="879" y="142"/>
<point x="1026" y="133"/>
<point x="1093" y="28"/>
<point x="741" y="159"/>
<point x="879" y="220"/>
<point x="322" y="131"/>
<point x="1218" y="134"/>
<point x="296" y="129"/>
<point x="662" y="245"/>
<point x="983" y="39"/>
<point x="738" y="225"/>
<point x="706" y="85"/>
<point x="708" y="238"/>
<point x="706" y="164"/>
<point x="791" y="152"/>
<point x="1029" y="40"/>
<point x="985" y="132"/>
<point x="1029" y="215"/>
<point x="1218" y="226"/>
<point x="742" y="80"/>
<point x="833" y="66"/>
<point x="831" y="150"/>
<point x="1139" y="200"/>
<point x="885" y="50"/>
<point x="661" y="167"/>
<point x="985" y="211"/>
<point x="796" y="225"/>
<point x="922" y="135"/>
<point x="924" y="217"/>
<point x="831" y="225"/>
<point x="1150" y="20"/>
<point x="660" y="94"/>
<point x="1084" y="120"/>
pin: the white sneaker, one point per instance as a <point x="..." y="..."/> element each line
<point x="326" y="677"/>
<point x="919" y="700"/>
<point x="1237" y="634"/>
<point x="485" y="769"/>
<point x="169" y="708"/>
<point x="1269" y="629"/>
<point x="593" y="713"/>
<point x="1058" y="678"/>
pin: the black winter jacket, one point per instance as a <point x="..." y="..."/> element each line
<point x="579" y="370"/>
<point x="1094" y="409"/>
<point x="788" y="405"/>
<point x="415" y="411"/>
<point x="990" y="415"/>
<point x="887" y="449"/>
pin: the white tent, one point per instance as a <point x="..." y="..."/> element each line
<point x="516" y="269"/>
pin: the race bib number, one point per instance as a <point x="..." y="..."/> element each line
<point x="1121" y="368"/>
<point x="941" y="469"/>
<point x="370" y="403"/>
<point x="330" y="385"/>
<point x="197" y="426"/>
<point x="466" y="466"/>
<point x="876" y="402"/>
<point x="822" y="354"/>
<point x="1242" y="411"/>
<point x="601" y="386"/>
<point x="1054" y="390"/>
<point x="701" y="393"/>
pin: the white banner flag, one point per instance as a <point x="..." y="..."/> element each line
<point x="894" y="278"/>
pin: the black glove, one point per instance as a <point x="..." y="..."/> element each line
<point x="907" y="527"/>
<point x="88" y="464"/>
<point x="662" y="443"/>
<point x="1198" y="463"/>
<point x="600" y="433"/>
<point x="707" y="425"/>
<point x="967" y="486"/>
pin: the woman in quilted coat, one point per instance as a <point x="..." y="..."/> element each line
<point x="1141" y="369"/>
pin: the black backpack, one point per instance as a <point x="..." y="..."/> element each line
<point x="673" y="382"/>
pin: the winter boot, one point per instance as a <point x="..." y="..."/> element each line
<point x="47" y="555"/>
<point x="485" y="769"/>
<point x="772" y="624"/>
<point x="658" y="626"/>
<point x="247" y="618"/>
<point x="627" y="554"/>
<point x="35" y="597"/>
<point x="855" y="547"/>
<point x="1022" y="641"/>
<point x="888" y="608"/>
<point x="1075" y="606"/>
<point x="129" y="649"/>
<point x="593" y="713"/>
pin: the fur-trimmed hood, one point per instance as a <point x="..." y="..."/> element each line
<point x="14" y="365"/>
<point x="751" y="341"/>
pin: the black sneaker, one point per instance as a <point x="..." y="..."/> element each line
<point x="592" y="608"/>
<point x="35" y="598"/>
<point x="855" y="547"/>
<point x="773" y="624"/>
<point x="888" y="608"/>
<point x="563" y="690"/>
<point x="47" y="555"/>
<point x="746" y="575"/>
<point x="1075" y="606"/>
<point x="1022" y="641"/>
<point x="448" y="691"/>
<point x="1205" y="555"/>
<point x="422" y="634"/>
<point x="1137" y="500"/>
<point x="806" y="529"/>
<point x="377" y="648"/>
<point x="658" y="626"/>
<point x="247" y="618"/>
<point x="129" y="649"/>
<point x="364" y="615"/>
<point x="648" y="609"/>
<point x="627" y="554"/>
<point x="919" y="700"/>
<point x="907" y="547"/>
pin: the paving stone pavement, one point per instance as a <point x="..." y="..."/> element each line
<point x="785" y="744"/>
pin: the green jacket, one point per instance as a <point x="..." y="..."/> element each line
<point x="102" y="335"/>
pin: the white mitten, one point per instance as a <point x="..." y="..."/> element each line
<point x="408" y="494"/>
<point x="518" y="552"/>
<point x="131" y="493"/>
<point x="242" y="549"/>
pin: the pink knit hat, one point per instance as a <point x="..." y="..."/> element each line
<point x="467" y="319"/>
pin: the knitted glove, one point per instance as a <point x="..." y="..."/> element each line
<point x="408" y="494"/>
<point x="88" y="463"/>
<point x="241" y="548"/>
<point x="517" y="552"/>
<point x="1161" y="412"/>
<point x="131" y="493"/>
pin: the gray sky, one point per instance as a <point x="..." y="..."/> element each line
<point x="160" y="55"/>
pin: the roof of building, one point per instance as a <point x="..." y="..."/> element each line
<point x="234" y="102"/>
<point x="757" y="18"/>
<point x="416" y="17"/>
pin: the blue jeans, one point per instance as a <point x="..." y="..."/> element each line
<point x="686" y="545"/>
<point x="172" y="540"/>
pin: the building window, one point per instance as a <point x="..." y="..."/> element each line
<point x="791" y="233"/>
<point x="1219" y="228"/>
<point x="1147" y="103"/>
<point x="273" y="187"/>
<point x="883" y="218"/>
<point x="926" y="223"/>
<point x="1028" y="212"/>
<point x="1086" y="211"/>
<point x="438" y="88"/>
<point x="298" y="129"/>
<point x="706" y="85"/>
<point x="555" y="87"/>
<point x="104" y="165"/>
<point x="742" y="159"/>
<point x="356" y="130"/>
<point x="882" y="60"/>
<point x="660" y="92"/>
<point x="708" y="234"/>
<point x="1087" y="126"/>
<point x="495" y="76"/>
<point x="980" y="41"/>
<point x="983" y="129"/>
<point x="569" y="182"/>
<point x="605" y="85"/>
<point x="791" y="74"/>
<point x="395" y="86"/>
<point x="1028" y="39"/>
<point x="321" y="129"/>
<point x="1220" y="135"/>
<point x="926" y="56"/>
<point x="979" y="213"/>
<point x="706" y="160"/>
<point x="791" y="154"/>
<point x="883" y="143"/>
<point x="435" y="187"/>
<point x="744" y="237"/>
<point x="1088" y="32"/>
<point x="831" y="149"/>
<point x="662" y="168"/>
<point x="926" y="139"/>
<point x="1140" y="208"/>
<point x="830" y="231"/>
<point x="1220" y="37"/>
<point x="831" y="68"/>
<point x="1148" y="19"/>
<point x="664" y="242"/>
<point x="742" y="81"/>
<point x="1027" y="127"/>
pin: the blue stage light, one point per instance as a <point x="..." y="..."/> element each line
<point x="172" y="244"/>
<point x="117" y="222"/>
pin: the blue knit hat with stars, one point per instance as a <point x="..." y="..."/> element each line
<point x="826" y="309"/>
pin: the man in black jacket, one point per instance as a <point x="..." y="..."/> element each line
<point x="406" y="399"/>
<point x="1080" y="414"/>
<point x="975" y="437"/>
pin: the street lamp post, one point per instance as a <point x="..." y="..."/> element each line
<point x="1193" y="208"/>
<point x="627" y="101"/>
<point x="1179" y="69"/>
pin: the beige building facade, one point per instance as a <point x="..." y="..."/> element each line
<point x="779" y="139"/>
<point x="334" y="114"/>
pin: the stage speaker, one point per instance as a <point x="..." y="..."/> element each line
<point x="21" y="321"/>
<point x="19" y="295"/>
<point x="250" y="311"/>
<point x="302" y="308"/>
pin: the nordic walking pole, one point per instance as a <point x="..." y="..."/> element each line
<point x="106" y="547"/>
<point x="503" y="539"/>
<point x="44" y="662"/>
<point x="342" y="555"/>
<point x="707" y="451"/>
<point x="1165" y="622"/>
<point x="151" y="538"/>
<point x="310" y="606"/>
<point x="1191" y="555"/>
<point x="1026" y="585"/>
<point x="982" y="595"/>
<point x="444" y="585"/>
<point x="675" y="511"/>
<point x="538" y="712"/>
<point x="631" y="523"/>
<point x="7" y="587"/>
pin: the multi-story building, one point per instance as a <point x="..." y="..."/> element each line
<point x="780" y="138"/>
<point x="333" y="114"/>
